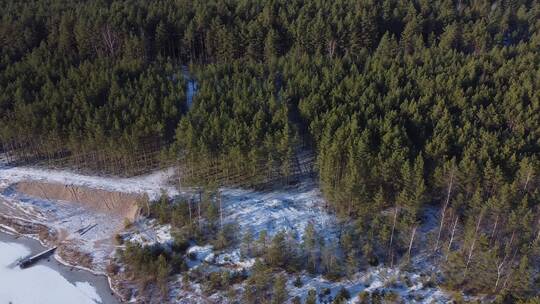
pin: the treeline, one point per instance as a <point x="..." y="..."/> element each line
<point x="112" y="116"/>
<point x="76" y="89"/>
<point x="409" y="106"/>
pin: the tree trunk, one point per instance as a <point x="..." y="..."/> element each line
<point x="411" y="243"/>
<point x="451" y="238"/>
<point x="473" y="242"/>
<point x="527" y="180"/>
<point x="392" y="235"/>
<point x="189" y="207"/>
<point x="393" y="226"/>
<point x="220" y="211"/>
<point x="494" y="229"/>
<point x="199" y="208"/>
<point x="538" y="234"/>
<point x="501" y="264"/>
<point x="444" y="208"/>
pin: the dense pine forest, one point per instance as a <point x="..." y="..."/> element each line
<point x="406" y="106"/>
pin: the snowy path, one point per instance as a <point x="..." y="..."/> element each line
<point x="152" y="184"/>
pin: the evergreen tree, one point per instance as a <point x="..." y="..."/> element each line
<point x="277" y="255"/>
<point x="311" y="297"/>
<point x="279" y="293"/>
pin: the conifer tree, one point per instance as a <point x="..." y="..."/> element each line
<point x="279" y="293"/>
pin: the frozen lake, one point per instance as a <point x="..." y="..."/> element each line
<point x="47" y="281"/>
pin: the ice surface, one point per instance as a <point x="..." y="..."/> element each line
<point x="47" y="286"/>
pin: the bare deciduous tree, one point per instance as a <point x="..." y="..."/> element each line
<point x="447" y="201"/>
<point x="451" y="238"/>
<point x="471" y="249"/>
<point x="110" y="39"/>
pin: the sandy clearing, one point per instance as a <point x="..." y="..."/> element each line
<point x="124" y="205"/>
<point x="152" y="184"/>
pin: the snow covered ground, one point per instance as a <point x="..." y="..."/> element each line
<point x="409" y="287"/>
<point x="70" y="219"/>
<point x="290" y="209"/>
<point x="149" y="232"/>
<point x="272" y="211"/>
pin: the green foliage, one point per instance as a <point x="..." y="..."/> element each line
<point x="311" y="297"/>
<point x="152" y="264"/>
<point x="342" y="296"/>
<point x="279" y="292"/>
<point x="184" y="219"/>
<point x="402" y="103"/>
<point x="277" y="252"/>
<point x="258" y="285"/>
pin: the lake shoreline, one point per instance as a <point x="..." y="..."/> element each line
<point x="73" y="274"/>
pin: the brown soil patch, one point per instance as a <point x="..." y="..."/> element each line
<point x="116" y="203"/>
<point x="74" y="257"/>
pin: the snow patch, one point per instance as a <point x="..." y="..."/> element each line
<point x="201" y="252"/>
<point x="234" y="259"/>
<point x="149" y="232"/>
<point x="290" y="209"/>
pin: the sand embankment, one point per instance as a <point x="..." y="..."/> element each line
<point x="116" y="203"/>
